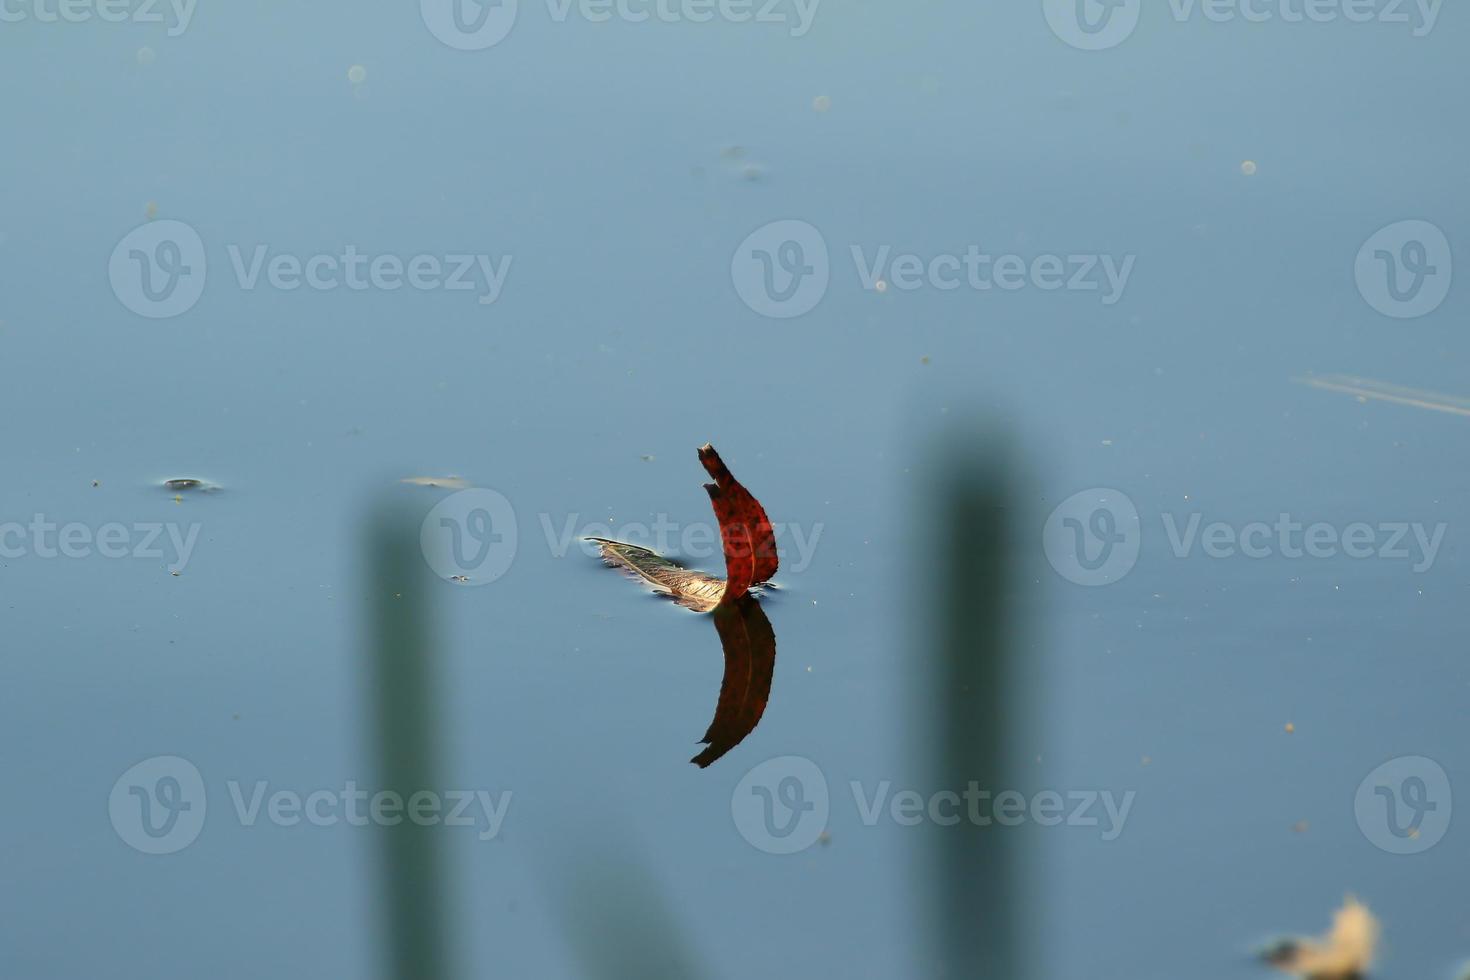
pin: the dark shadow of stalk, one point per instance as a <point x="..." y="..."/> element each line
<point x="404" y="728"/>
<point x="971" y="702"/>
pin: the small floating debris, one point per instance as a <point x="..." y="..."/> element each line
<point x="357" y="74"/>
<point x="190" y="485"/>
<point x="1248" y="168"/>
<point x="1345" y="953"/>
<point x="822" y="103"/>
<point x="438" y="482"/>
<point x="1366" y="388"/>
<point x="738" y="164"/>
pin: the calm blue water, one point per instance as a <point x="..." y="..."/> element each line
<point x="619" y="165"/>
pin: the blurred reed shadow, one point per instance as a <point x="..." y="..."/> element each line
<point x="970" y="697"/>
<point x="404" y="729"/>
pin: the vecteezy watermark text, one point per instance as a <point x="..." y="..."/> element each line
<point x="1094" y="538"/>
<point x="353" y="270"/>
<point x="782" y="806"/>
<point x="1095" y="25"/>
<point x="473" y="25"/>
<point x="356" y="807"/>
<point x="1294" y="539"/>
<point x="982" y="808"/>
<point x="783" y="270"/>
<point x="175" y="14"/>
<point x="159" y="270"/>
<point x="158" y="806"/>
<point x="982" y="271"/>
<point x="43" y="538"/>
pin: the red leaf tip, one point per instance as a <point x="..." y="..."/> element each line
<point x="715" y="466"/>
<point x="745" y="531"/>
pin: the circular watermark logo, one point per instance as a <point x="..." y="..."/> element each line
<point x="1092" y="537"/>
<point x="1403" y="806"/>
<point x="470" y="537"/>
<point x="1092" y="25"/>
<point x="157" y="806"/>
<point x="781" y="270"/>
<point x="158" y="269"/>
<point x="1405" y="270"/>
<point x="469" y="25"/>
<point x="781" y="806"/>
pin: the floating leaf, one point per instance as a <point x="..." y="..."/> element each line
<point x="746" y="635"/>
<point x="749" y="541"/>
<point x="746" y="535"/>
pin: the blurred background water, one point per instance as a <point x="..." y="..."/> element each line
<point x="620" y="165"/>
